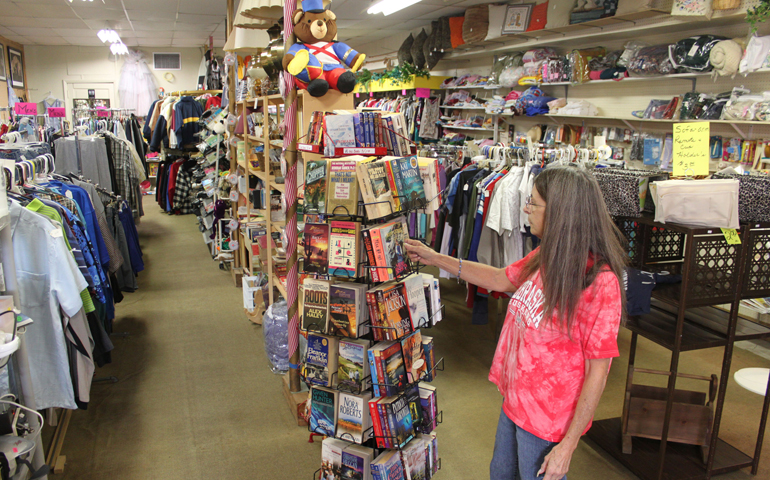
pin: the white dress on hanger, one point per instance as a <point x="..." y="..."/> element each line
<point x="138" y="87"/>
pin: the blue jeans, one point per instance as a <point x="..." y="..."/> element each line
<point x="518" y="454"/>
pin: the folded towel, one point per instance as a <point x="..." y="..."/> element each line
<point x="725" y="57"/>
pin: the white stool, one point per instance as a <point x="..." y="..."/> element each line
<point x="753" y="379"/>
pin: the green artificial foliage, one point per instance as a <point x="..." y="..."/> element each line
<point x="758" y="14"/>
<point x="402" y="73"/>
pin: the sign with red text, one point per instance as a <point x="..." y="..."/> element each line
<point x="423" y="93"/>
<point x="57" y="112"/>
<point x="102" y="113"/>
<point x="21" y="108"/>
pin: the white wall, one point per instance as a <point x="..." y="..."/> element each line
<point x="47" y="66"/>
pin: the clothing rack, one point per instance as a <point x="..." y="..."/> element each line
<point x="184" y="93"/>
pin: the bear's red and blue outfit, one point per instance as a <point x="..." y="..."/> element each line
<point x="325" y="61"/>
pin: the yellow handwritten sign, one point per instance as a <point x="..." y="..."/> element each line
<point x="731" y="235"/>
<point x="691" y="149"/>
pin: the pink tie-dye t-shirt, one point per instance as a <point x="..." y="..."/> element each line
<point x="537" y="367"/>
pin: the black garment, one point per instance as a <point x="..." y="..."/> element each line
<point x="639" y="286"/>
<point x="102" y="343"/>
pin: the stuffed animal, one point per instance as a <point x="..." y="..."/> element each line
<point x="317" y="61"/>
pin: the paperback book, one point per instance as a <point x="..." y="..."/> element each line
<point x="353" y="423"/>
<point x="392" y="238"/>
<point x="344" y="249"/>
<point x="316" y="180"/>
<point x="323" y="411"/>
<point x="414" y="356"/>
<point x="315" y="306"/>
<point x="343" y="192"/>
<point x="332" y="451"/>
<point x="415" y="297"/>
<point x="356" y="463"/>
<point x="410" y="189"/>
<point x="344" y="311"/>
<point x="316" y="243"/>
<point x="353" y="365"/>
<point x="373" y="181"/>
<point x="322" y="359"/>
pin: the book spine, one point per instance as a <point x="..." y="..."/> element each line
<point x="387" y="333"/>
<point x="357" y="129"/>
<point x="370" y="129"/>
<point x="383" y="274"/>
<point x="373" y="371"/>
<point x="370" y="255"/>
<point x="378" y="128"/>
<point x="427" y="349"/>
<point x="371" y="302"/>
<point x="394" y="191"/>
<point x="382" y="378"/>
<point x="400" y="201"/>
<point x="391" y="419"/>
<point x="386" y="430"/>
<point x="392" y="136"/>
<point x="373" y="413"/>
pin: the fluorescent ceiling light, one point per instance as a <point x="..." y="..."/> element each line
<point x="107" y="35"/>
<point x="386" y="7"/>
<point x="119" y="49"/>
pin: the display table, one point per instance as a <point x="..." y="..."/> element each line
<point x="753" y="379"/>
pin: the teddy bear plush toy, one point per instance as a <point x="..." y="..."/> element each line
<point x="317" y="61"/>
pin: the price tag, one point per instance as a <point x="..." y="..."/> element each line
<point x="358" y="95"/>
<point x="27" y="109"/>
<point x="423" y="93"/>
<point x="731" y="235"/>
<point x="234" y="245"/>
<point x="691" y="149"/>
<point x="232" y="178"/>
<point x="233" y="225"/>
<point x="102" y="113"/>
<point x="371" y="94"/>
<point x="233" y="195"/>
<point x="57" y="112"/>
<point x="403" y="92"/>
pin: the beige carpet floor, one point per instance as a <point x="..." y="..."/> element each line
<point x="196" y="400"/>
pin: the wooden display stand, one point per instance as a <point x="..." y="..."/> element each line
<point x="644" y="412"/>
<point x="296" y="401"/>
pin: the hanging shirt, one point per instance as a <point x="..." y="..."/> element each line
<point x="540" y="369"/>
<point x="48" y="280"/>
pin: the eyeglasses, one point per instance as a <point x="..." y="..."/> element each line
<point x="529" y="203"/>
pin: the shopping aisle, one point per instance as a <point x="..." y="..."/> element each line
<point x="195" y="399"/>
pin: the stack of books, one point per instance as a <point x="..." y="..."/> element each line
<point x="343" y="132"/>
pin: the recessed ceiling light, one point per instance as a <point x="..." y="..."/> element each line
<point x="386" y="7"/>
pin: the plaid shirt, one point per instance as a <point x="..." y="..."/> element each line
<point x="182" y="192"/>
<point x="124" y="171"/>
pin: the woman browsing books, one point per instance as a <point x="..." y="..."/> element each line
<point x="561" y="328"/>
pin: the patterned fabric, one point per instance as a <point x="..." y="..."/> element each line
<point x="540" y="369"/>
<point x="182" y="198"/>
<point x="126" y="178"/>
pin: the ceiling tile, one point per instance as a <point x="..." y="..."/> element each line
<point x="61" y="10"/>
<point x="443" y="12"/>
<point x="199" y="29"/>
<point x="102" y="14"/>
<point x="152" y="15"/>
<point x="32" y="32"/>
<point x="187" y="42"/>
<point x="20" y="39"/>
<point x="12" y="9"/>
<point x="60" y="23"/>
<point x="203" y="7"/>
<point x="6" y="32"/>
<point x="87" y="42"/>
<point x="194" y="34"/>
<point x="151" y="26"/>
<point x="74" y="32"/>
<point x="163" y="6"/>
<point x="198" y="19"/>
<point x="154" y="42"/>
<point x="51" y="41"/>
<point x="13" y="22"/>
<point x="156" y="34"/>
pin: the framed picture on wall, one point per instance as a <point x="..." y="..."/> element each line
<point x="517" y="18"/>
<point x="3" y="75"/>
<point x="16" y="70"/>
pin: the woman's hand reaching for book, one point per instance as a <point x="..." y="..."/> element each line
<point x="418" y="252"/>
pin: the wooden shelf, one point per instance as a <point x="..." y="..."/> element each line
<point x="677" y="76"/>
<point x="463" y="108"/>
<point x="433" y="83"/>
<point x="277" y="283"/>
<point x="469" y="128"/>
<point x="475" y="87"/>
<point x="281" y="187"/>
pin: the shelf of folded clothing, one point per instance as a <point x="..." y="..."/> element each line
<point x="677" y="76"/>
<point x="704" y="327"/>
<point x="604" y="30"/>
<point x="475" y="87"/>
<point x="477" y="129"/>
<point x="649" y="120"/>
<point x="433" y="83"/>
<point x="480" y="107"/>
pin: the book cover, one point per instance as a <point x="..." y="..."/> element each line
<point x="341" y="130"/>
<point x="394" y="371"/>
<point x="379" y="463"/>
<point x="359" y="456"/>
<point x="316" y="179"/>
<point x="388" y="427"/>
<point x="316" y="240"/>
<point x="373" y="369"/>
<point x="415" y="297"/>
<point x="344" y="249"/>
<point x="371" y="259"/>
<point x="412" y="191"/>
<point x="386" y="136"/>
<point x="393" y="235"/>
<point x="353" y="417"/>
<point x="427" y="288"/>
<point x="321" y="361"/>
<point x="331" y="457"/>
<point x="414" y="459"/>
<point x="323" y="411"/>
<point x="430" y="359"/>
<point x="394" y="144"/>
<point x="383" y="274"/>
<point x="358" y="129"/>
<point x="388" y="332"/>
<point x="402" y="419"/>
<point x="414" y="356"/>
<point x="429" y="407"/>
<point x="343" y="186"/>
<point x="374" y="315"/>
<point x="412" y="394"/>
<point x="396" y="313"/>
<point x="429" y="176"/>
<point x="343" y="311"/>
<point x="315" y="307"/>
<point x="373" y="183"/>
<point x="353" y="364"/>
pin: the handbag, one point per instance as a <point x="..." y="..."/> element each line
<point x="626" y="192"/>
<point x="700" y="203"/>
<point x="753" y="196"/>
